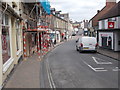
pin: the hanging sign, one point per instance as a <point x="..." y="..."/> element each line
<point x="111" y="25"/>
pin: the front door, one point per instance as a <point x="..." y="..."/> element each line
<point x="104" y="42"/>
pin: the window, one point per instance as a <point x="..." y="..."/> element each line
<point x="17" y="36"/>
<point x="103" y="24"/>
<point x="6" y="19"/>
<point x="5" y="44"/>
<point x="5" y="39"/>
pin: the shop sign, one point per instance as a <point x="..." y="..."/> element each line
<point x="111" y="25"/>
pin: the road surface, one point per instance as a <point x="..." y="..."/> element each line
<point x="64" y="67"/>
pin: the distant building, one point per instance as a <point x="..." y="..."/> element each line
<point x="84" y="24"/>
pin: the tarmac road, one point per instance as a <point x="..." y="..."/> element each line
<point x="64" y="67"/>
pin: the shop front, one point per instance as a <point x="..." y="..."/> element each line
<point x="110" y="40"/>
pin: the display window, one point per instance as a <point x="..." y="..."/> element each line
<point x="6" y="54"/>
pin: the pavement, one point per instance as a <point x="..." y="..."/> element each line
<point x="27" y="73"/>
<point x="109" y="53"/>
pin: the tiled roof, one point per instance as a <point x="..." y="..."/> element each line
<point x="113" y="12"/>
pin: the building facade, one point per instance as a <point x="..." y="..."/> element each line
<point x="11" y="37"/>
<point x="59" y="27"/>
<point x="93" y="22"/>
<point x="23" y="32"/>
<point x="109" y="29"/>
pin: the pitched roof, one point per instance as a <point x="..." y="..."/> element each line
<point x="113" y="12"/>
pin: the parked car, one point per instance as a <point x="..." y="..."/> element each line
<point x="73" y="34"/>
<point x="86" y="43"/>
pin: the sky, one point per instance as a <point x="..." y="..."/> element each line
<point x="78" y="9"/>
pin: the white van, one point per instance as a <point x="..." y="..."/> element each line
<point x="86" y="44"/>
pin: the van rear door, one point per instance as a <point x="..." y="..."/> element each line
<point x="89" y="43"/>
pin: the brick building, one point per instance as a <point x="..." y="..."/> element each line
<point x="93" y="23"/>
<point x="109" y="29"/>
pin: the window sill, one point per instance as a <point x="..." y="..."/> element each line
<point x="7" y="65"/>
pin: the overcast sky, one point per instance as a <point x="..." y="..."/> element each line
<point x="79" y="9"/>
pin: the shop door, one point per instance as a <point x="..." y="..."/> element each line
<point x="104" y="42"/>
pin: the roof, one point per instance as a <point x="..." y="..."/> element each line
<point x="98" y="13"/>
<point x="113" y="12"/>
<point x="101" y="12"/>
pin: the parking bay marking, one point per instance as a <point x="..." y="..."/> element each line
<point x="101" y="62"/>
<point x="116" y="69"/>
<point x="95" y="69"/>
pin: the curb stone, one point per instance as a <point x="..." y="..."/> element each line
<point x="108" y="56"/>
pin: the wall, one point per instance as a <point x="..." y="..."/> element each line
<point x="101" y="13"/>
<point x="1" y="65"/>
<point x="117" y="38"/>
<point x="15" y="55"/>
<point x="103" y="24"/>
<point x="118" y="21"/>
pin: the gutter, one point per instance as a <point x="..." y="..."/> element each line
<point x="12" y="11"/>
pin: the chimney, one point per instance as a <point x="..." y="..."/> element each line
<point x="98" y="11"/>
<point x="110" y="3"/>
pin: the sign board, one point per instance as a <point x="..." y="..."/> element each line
<point x="111" y="25"/>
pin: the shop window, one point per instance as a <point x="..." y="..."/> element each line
<point x="5" y="44"/>
<point x="5" y="39"/>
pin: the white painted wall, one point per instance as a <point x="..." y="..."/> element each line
<point x="106" y="23"/>
<point x="103" y="24"/>
<point x="100" y="24"/>
<point x="118" y="18"/>
<point x="107" y="34"/>
<point x="117" y="38"/>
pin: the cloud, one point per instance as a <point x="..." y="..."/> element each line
<point x="79" y="9"/>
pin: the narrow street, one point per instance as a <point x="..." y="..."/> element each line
<point x="64" y="67"/>
<point x="59" y="44"/>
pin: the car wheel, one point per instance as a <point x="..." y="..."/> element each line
<point x="80" y="51"/>
<point x="95" y="51"/>
<point x="77" y="48"/>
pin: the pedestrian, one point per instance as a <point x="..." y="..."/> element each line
<point x="55" y="41"/>
<point x="65" y="38"/>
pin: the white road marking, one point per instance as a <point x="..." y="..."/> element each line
<point x="116" y="69"/>
<point x="95" y="69"/>
<point x="101" y="62"/>
<point x="51" y="82"/>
